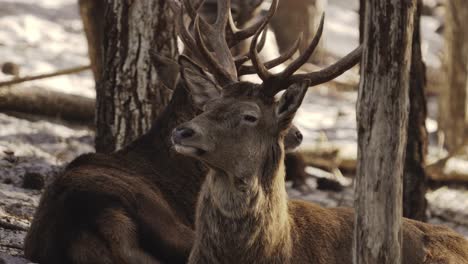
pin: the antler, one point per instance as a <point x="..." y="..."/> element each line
<point x="210" y="43"/>
<point x="236" y="35"/>
<point x="211" y="47"/>
<point x="273" y="83"/>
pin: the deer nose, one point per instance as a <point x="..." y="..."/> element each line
<point x="298" y="136"/>
<point x="182" y="133"/>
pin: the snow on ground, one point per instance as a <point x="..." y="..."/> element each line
<point x="44" y="36"/>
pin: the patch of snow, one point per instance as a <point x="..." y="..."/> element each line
<point x="45" y="36"/>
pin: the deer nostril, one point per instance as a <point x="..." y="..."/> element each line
<point x="184" y="132"/>
<point x="299" y="136"/>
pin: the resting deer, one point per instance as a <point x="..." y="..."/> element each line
<point x="136" y="205"/>
<point x="243" y="213"/>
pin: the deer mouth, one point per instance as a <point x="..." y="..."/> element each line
<point x="189" y="150"/>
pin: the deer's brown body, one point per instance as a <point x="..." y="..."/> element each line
<point x="133" y="206"/>
<point x="295" y="171"/>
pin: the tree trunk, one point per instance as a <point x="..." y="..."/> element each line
<point x="453" y="117"/>
<point x="362" y="19"/>
<point x="382" y="116"/>
<point x="414" y="179"/>
<point x="129" y="94"/>
<point x="294" y="17"/>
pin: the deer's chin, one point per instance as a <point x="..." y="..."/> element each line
<point x="189" y="150"/>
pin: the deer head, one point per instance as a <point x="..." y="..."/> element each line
<point x="242" y="119"/>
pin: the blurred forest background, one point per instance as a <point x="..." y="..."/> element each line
<point x="47" y="122"/>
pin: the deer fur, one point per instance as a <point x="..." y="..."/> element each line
<point x="243" y="213"/>
<point x="125" y="206"/>
<point x="295" y="171"/>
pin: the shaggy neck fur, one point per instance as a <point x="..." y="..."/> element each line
<point x="243" y="224"/>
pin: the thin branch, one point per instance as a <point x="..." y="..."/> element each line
<point x="12" y="226"/>
<point x="48" y="75"/>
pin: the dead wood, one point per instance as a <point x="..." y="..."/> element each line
<point x="44" y="102"/>
<point x="449" y="169"/>
<point x="328" y="157"/>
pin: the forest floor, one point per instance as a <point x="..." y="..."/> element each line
<point x="46" y="35"/>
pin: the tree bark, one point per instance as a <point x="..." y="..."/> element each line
<point x="294" y="17"/>
<point x="362" y="19"/>
<point x="453" y="117"/>
<point x="129" y="94"/>
<point x="414" y="178"/>
<point x="382" y="116"/>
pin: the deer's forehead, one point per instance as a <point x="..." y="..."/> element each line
<point x="232" y="104"/>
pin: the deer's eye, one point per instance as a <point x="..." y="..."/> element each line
<point x="250" y="118"/>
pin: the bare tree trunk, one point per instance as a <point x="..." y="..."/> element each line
<point x="382" y="116"/>
<point x="453" y="117"/>
<point x="414" y="179"/>
<point x="362" y="19"/>
<point x="294" y="17"/>
<point x="129" y="94"/>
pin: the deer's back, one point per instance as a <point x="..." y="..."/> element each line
<point x="78" y="202"/>
<point x="325" y="235"/>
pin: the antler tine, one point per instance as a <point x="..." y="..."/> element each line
<point x="332" y="71"/>
<point x="262" y="42"/>
<point x="224" y="65"/>
<point x="245" y="70"/>
<point x="192" y="10"/>
<point x="284" y="79"/>
<point x="239" y="60"/>
<point x="224" y="11"/>
<point x="318" y="77"/>
<point x="304" y="57"/>
<point x="239" y="35"/>
<point x="187" y="38"/>
<point x="243" y="58"/>
<point x="259" y="67"/>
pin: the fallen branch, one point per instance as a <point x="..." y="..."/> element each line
<point x="12" y="226"/>
<point x="449" y="169"/>
<point x="12" y="246"/>
<point x="329" y="157"/>
<point x="40" y="101"/>
<point x="43" y="76"/>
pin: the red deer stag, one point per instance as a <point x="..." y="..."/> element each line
<point x="136" y="205"/>
<point x="295" y="166"/>
<point x="243" y="213"/>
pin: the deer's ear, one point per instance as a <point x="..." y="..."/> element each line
<point x="290" y="101"/>
<point x="167" y="69"/>
<point x="202" y="86"/>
